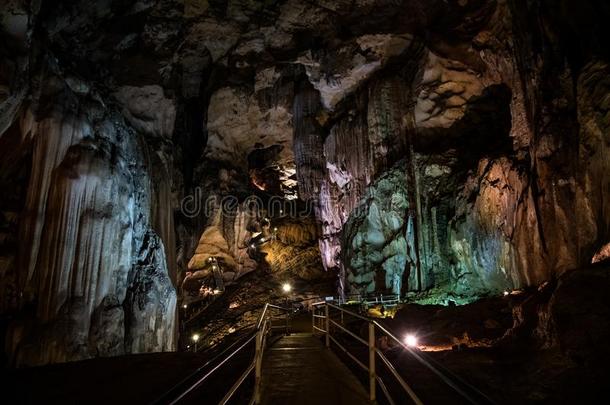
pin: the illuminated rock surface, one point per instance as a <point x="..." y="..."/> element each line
<point x="446" y="150"/>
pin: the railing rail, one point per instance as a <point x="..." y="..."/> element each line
<point x="263" y="326"/>
<point x="440" y="374"/>
<point x="369" y="299"/>
<point x="454" y="382"/>
<point x="374" y="352"/>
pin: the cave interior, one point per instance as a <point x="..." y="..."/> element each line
<point x="168" y="167"/>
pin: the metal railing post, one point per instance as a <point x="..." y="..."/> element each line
<point x="327" y="326"/>
<point x="258" y="366"/>
<point x="313" y="319"/>
<point x="372" y="375"/>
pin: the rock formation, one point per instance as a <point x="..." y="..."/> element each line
<point x="457" y="147"/>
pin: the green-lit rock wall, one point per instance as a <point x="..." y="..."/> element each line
<point x="378" y="236"/>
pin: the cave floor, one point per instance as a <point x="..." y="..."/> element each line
<point x="470" y="341"/>
<point x="298" y="369"/>
<point x="132" y="379"/>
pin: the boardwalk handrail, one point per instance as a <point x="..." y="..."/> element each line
<point x="376" y="352"/>
<point x="435" y="370"/>
<point x="259" y="336"/>
<point x="263" y="326"/>
<point x="371" y="343"/>
<point x="369" y="299"/>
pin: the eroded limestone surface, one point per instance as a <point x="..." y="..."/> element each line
<point x="445" y="148"/>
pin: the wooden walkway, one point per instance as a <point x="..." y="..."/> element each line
<point x="299" y="370"/>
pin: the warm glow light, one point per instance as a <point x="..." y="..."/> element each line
<point x="195" y="337"/>
<point x="252" y="246"/>
<point x="506" y="293"/>
<point x="216" y="291"/>
<point x="410" y="340"/>
<point x="185" y="306"/>
<point x="286" y="287"/>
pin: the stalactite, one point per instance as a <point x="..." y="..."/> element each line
<point x="307" y="142"/>
<point x="52" y="138"/>
<point x="161" y="206"/>
<point x="88" y="208"/>
<point x="387" y="106"/>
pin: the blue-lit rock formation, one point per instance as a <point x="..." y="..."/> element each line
<point x="94" y="279"/>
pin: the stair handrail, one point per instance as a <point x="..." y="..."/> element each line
<point x="259" y="335"/>
<point x="164" y="399"/>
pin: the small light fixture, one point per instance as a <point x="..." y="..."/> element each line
<point x="410" y="340"/>
<point x="274" y="229"/>
<point x="216" y="291"/>
<point x="185" y="306"/>
<point x="506" y="293"/>
<point x="195" y="337"/>
<point x="281" y="212"/>
<point x="252" y="246"/>
<point x="286" y="287"/>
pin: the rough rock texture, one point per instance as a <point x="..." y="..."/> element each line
<point x="84" y="279"/>
<point x="457" y="147"/>
<point x="87" y="215"/>
<point x="294" y="250"/>
<point x="491" y="194"/>
<point x="375" y="235"/>
<point x="536" y="345"/>
<point x="226" y="238"/>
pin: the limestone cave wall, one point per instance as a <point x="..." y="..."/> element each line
<point x="452" y="147"/>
